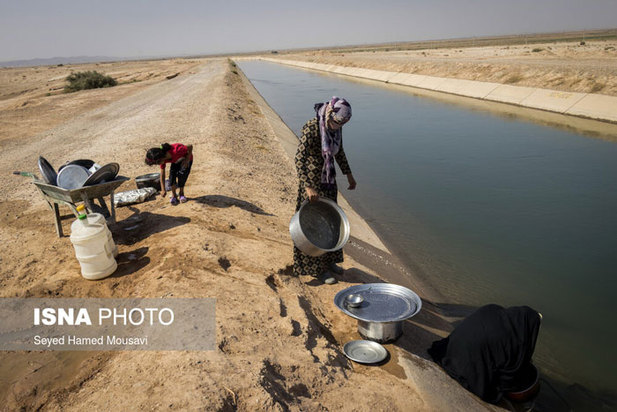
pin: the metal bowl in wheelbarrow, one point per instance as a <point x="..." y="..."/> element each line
<point x="319" y="227"/>
<point x="87" y="163"/>
<point x="72" y="177"/>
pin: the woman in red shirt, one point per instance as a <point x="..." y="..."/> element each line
<point x="181" y="159"/>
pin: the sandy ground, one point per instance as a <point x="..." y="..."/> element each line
<point x="567" y="66"/>
<point x="279" y="338"/>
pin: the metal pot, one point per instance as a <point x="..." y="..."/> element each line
<point x="149" y="180"/>
<point x="383" y="310"/>
<point x="532" y="387"/>
<point x="381" y="332"/>
<point x="315" y="226"/>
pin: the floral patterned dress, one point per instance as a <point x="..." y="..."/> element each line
<point x="309" y="164"/>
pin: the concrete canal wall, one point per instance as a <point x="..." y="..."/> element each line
<point x="587" y="105"/>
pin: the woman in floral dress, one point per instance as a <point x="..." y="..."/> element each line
<point x="320" y="144"/>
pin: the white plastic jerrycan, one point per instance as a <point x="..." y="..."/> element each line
<point x="97" y="218"/>
<point x="92" y="249"/>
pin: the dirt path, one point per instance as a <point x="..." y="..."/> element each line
<point x="279" y="337"/>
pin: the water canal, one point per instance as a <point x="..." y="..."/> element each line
<point x="485" y="208"/>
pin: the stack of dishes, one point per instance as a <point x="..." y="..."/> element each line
<point x="78" y="173"/>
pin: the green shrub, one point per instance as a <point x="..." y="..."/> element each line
<point x="536" y="50"/>
<point x="88" y="80"/>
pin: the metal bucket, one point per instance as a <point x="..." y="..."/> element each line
<point x="319" y="227"/>
<point x="381" y="332"/>
<point x="149" y="180"/>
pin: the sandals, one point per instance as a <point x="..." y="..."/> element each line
<point x="174" y="200"/>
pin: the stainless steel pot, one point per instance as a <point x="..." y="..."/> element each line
<point x="312" y="224"/>
<point x="381" y="332"/>
<point x="383" y="310"/>
<point x="149" y="180"/>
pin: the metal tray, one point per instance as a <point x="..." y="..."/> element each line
<point x="106" y="173"/>
<point x="48" y="171"/>
<point x="87" y="163"/>
<point x="72" y="177"/>
<point x="365" y="351"/>
<point x="383" y="302"/>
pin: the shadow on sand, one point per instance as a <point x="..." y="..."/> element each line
<point x="131" y="262"/>
<point x="139" y="226"/>
<point x="221" y="201"/>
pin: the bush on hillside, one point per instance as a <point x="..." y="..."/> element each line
<point x="88" y="80"/>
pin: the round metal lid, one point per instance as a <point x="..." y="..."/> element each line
<point x="365" y="351"/>
<point x="72" y="177"/>
<point x="383" y="302"/>
<point x="106" y="173"/>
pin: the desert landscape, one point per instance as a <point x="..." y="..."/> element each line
<point x="574" y="63"/>
<point x="279" y="337"/>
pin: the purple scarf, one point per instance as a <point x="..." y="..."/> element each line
<point x="339" y="110"/>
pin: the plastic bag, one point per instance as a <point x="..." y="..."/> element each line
<point x="133" y="196"/>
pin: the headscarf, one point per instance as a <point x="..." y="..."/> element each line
<point x="331" y="140"/>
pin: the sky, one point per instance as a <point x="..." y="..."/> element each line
<point x="163" y="28"/>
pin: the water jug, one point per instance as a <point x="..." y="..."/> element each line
<point x="97" y="218"/>
<point x="92" y="249"/>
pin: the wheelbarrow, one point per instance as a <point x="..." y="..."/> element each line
<point x="55" y="196"/>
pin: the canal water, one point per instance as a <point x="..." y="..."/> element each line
<point x="486" y="208"/>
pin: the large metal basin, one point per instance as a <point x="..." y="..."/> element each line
<point x="382" y="332"/>
<point x="149" y="180"/>
<point x="383" y="310"/>
<point x="319" y="227"/>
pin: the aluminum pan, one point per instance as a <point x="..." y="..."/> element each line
<point x="302" y="242"/>
<point x="106" y="173"/>
<point x="383" y="302"/>
<point x="72" y="177"/>
<point x="48" y="171"/>
<point x="365" y="351"/>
